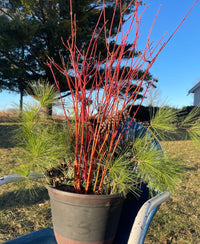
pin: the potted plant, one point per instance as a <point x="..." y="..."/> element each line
<point x="97" y="155"/>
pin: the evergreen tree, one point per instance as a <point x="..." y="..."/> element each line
<point x="31" y="31"/>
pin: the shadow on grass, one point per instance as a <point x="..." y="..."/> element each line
<point x="179" y="135"/>
<point x="6" y="135"/>
<point x="187" y="168"/>
<point x="23" y="197"/>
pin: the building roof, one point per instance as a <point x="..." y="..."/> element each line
<point x="194" y="88"/>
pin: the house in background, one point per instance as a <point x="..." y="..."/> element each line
<point x="196" y="91"/>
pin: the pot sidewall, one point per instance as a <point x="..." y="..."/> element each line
<point x="81" y="218"/>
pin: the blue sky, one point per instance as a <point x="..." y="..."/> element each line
<point x="178" y="65"/>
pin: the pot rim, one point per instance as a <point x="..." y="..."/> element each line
<point x="79" y="195"/>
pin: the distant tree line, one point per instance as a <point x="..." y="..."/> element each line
<point x="145" y="113"/>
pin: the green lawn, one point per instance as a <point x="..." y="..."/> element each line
<point x="177" y="221"/>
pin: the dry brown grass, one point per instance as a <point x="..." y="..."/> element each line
<point x="178" y="220"/>
<point x="8" y="116"/>
<point x="19" y="212"/>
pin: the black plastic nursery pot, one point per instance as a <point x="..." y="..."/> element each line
<point x="83" y="219"/>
